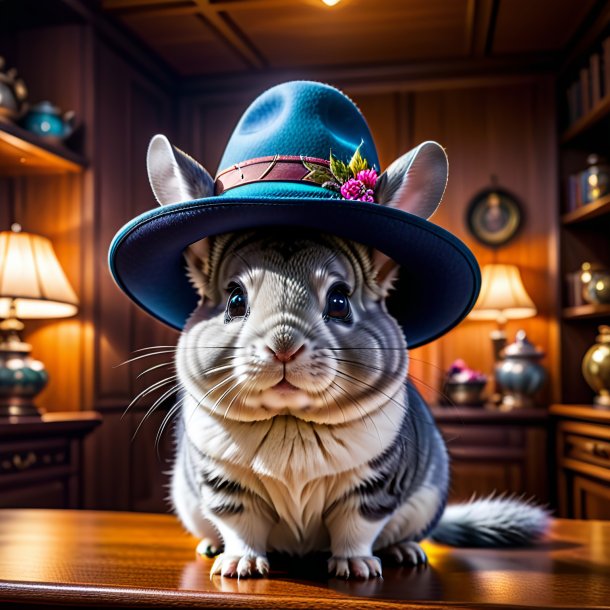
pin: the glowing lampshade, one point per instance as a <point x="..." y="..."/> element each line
<point x="32" y="285"/>
<point x="503" y="296"/>
<point x="32" y="279"/>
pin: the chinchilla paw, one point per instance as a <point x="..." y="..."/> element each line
<point x="406" y="553"/>
<point x="244" y="566"/>
<point x="354" y="567"/>
<point x="208" y="548"/>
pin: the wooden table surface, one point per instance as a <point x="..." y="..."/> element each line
<point x="129" y="559"/>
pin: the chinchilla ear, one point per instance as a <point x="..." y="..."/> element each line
<point x="415" y="182"/>
<point x="173" y="175"/>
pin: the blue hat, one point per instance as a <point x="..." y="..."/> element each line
<point x="302" y="155"/>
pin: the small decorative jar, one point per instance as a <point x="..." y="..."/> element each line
<point x="596" y="367"/>
<point x="13" y="93"/>
<point x="595" y="283"/>
<point x="464" y="386"/>
<point x="597" y="178"/>
<point x="520" y="374"/>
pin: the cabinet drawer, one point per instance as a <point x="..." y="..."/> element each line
<point x="20" y="458"/>
<point x="482" y="436"/>
<point x="587" y="449"/>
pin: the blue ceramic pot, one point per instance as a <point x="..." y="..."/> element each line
<point x="46" y="120"/>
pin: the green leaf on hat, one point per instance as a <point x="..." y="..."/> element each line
<point x="340" y="170"/>
<point x="318" y="173"/>
<point x="357" y="162"/>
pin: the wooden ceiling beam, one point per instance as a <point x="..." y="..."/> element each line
<point x="231" y="34"/>
<point x="236" y="5"/>
<point x="122" y="5"/>
<point x="158" y="11"/>
<point x="481" y="18"/>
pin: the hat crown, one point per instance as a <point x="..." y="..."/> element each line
<point x="300" y="118"/>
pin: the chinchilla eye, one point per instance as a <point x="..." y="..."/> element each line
<point x="237" y="304"/>
<point x="337" y="305"/>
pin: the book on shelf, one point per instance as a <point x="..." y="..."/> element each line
<point x="605" y="65"/>
<point x="585" y="90"/>
<point x="591" y="85"/>
<point x="595" y="79"/>
<point x="574" y="102"/>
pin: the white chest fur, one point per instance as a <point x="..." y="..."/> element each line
<point x="297" y="467"/>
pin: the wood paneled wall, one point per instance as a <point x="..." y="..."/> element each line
<point x="489" y="126"/>
<point x="57" y="206"/>
<point x="120" y="110"/>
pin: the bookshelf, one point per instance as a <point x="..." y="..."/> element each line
<point x="584" y="216"/>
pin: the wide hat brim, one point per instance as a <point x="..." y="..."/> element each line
<point x="438" y="283"/>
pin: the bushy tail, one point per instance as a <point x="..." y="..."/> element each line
<point x="492" y="522"/>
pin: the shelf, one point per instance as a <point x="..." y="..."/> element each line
<point x="583" y="312"/>
<point x="586" y="122"/>
<point x="462" y="415"/>
<point x="587" y="211"/>
<point x="24" y="153"/>
<point x="586" y="412"/>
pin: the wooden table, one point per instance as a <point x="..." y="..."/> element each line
<point x="129" y="560"/>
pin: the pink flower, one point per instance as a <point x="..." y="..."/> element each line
<point x="357" y="189"/>
<point x="368" y="177"/>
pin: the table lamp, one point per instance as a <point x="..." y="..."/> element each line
<point x="32" y="285"/>
<point x="503" y="297"/>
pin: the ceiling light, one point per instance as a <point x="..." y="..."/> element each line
<point x="331" y="2"/>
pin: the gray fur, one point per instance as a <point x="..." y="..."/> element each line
<point x="492" y="522"/>
<point x="297" y="430"/>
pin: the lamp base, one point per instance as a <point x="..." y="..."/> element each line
<point x="18" y="408"/>
<point x="21" y="377"/>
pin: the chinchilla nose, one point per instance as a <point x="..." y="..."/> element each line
<point x="287" y="353"/>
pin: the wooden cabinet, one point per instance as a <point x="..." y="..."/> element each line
<point x="582" y="436"/>
<point x="492" y="451"/>
<point x="41" y="460"/>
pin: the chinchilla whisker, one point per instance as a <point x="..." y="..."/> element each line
<point x="148" y="390"/>
<point x="213" y="389"/>
<point x="154" y="406"/>
<point x="224" y="394"/>
<point x="322" y="395"/>
<point x="364" y="347"/>
<point x="337" y="402"/>
<point x="145" y="349"/>
<point x="360" y="364"/>
<point x="432" y="388"/>
<point x="239" y="391"/>
<point x="362" y="383"/>
<point x="176" y="347"/>
<point x="358" y="406"/>
<point x="218" y="369"/>
<point x="428" y="363"/>
<point x="143" y="356"/>
<point x="209" y="347"/>
<point x="166" y="420"/>
<point x="152" y="368"/>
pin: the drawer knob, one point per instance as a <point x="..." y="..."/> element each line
<point x="597" y="449"/>
<point x="21" y="463"/>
